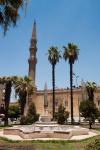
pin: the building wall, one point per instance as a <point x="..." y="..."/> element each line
<point x="62" y="96"/>
<point x="97" y="98"/>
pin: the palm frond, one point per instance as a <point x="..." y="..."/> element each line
<point x="53" y="55"/>
<point x="71" y="52"/>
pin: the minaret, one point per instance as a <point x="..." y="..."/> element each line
<point x="32" y="59"/>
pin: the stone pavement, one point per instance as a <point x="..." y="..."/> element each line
<point x="10" y="137"/>
<point x="81" y="137"/>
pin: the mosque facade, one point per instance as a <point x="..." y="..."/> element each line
<point x="62" y="96"/>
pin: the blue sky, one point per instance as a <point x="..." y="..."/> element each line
<point x="58" y="22"/>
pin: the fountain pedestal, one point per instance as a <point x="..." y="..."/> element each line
<point x="45" y="118"/>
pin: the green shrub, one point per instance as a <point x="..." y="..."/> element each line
<point x="32" y="109"/>
<point x="13" y="111"/>
<point x="23" y="120"/>
<point x="66" y="115"/>
<point x="89" y="111"/>
<point x="94" y="145"/>
<point x="32" y="113"/>
<point x="31" y="117"/>
<point x="62" y="115"/>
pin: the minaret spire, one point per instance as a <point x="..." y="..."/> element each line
<point x="32" y="59"/>
<point x="34" y="31"/>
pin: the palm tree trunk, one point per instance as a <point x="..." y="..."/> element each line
<point x="7" y="100"/>
<point x="26" y="105"/>
<point x="71" y="92"/>
<point x="92" y="95"/>
<point x="22" y="108"/>
<point x="22" y="105"/>
<point x="22" y="102"/>
<point x="90" y="125"/>
<point x="53" y="85"/>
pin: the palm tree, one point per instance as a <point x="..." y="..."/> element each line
<point x="8" y="86"/>
<point x="71" y="53"/>
<point x="53" y="57"/>
<point x="7" y="82"/>
<point x="23" y="88"/>
<point x="9" y="12"/>
<point x="91" y="87"/>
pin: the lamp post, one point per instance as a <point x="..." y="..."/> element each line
<point x="76" y="76"/>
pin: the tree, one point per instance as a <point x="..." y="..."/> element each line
<point x="32" y="112"/>
<point x="9" y="12"/>
<point x="71" y="53"/>
<point x="13" y="111"/>
<point x="7" y="82"/>
<point x="91" y="87"/>
<point x="62" y="115"/>
<point x="89" y="111"/>
<point x="31" y="117"/>
<point x="23" y="88"/>
<point x="32" y="109"/>
<point x="8" y="86"/>
<point x="2" y="110"/>
<point x="53" y="57"/>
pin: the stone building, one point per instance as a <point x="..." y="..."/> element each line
<point x="62" y="96"/>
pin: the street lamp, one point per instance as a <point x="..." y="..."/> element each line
<point x="76" y="76"/>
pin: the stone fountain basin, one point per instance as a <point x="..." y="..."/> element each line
<point x="45" y="118"/>
<point x="35" y="132"/>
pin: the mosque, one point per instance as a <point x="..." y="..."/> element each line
<point x="62" y="96"/>
<point x="43" y="98"/>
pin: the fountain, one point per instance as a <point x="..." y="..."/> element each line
<point x="39" y="131"/>
<point x="45" y="128"/>
<point x="45" y="123"/>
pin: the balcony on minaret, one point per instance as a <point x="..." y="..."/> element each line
<point x="33" y="41"/>
<point x="33" y="48"/>
<point x="32" y="60"/>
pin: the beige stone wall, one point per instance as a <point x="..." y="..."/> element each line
<point x="62" y="96"/>
<point x="97" y="98"/>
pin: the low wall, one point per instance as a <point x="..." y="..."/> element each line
<point x="9" y="131"/>
<point x="34" y="134"/>
<point x="38" y="134"/>
<point x="80" y="132"/>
